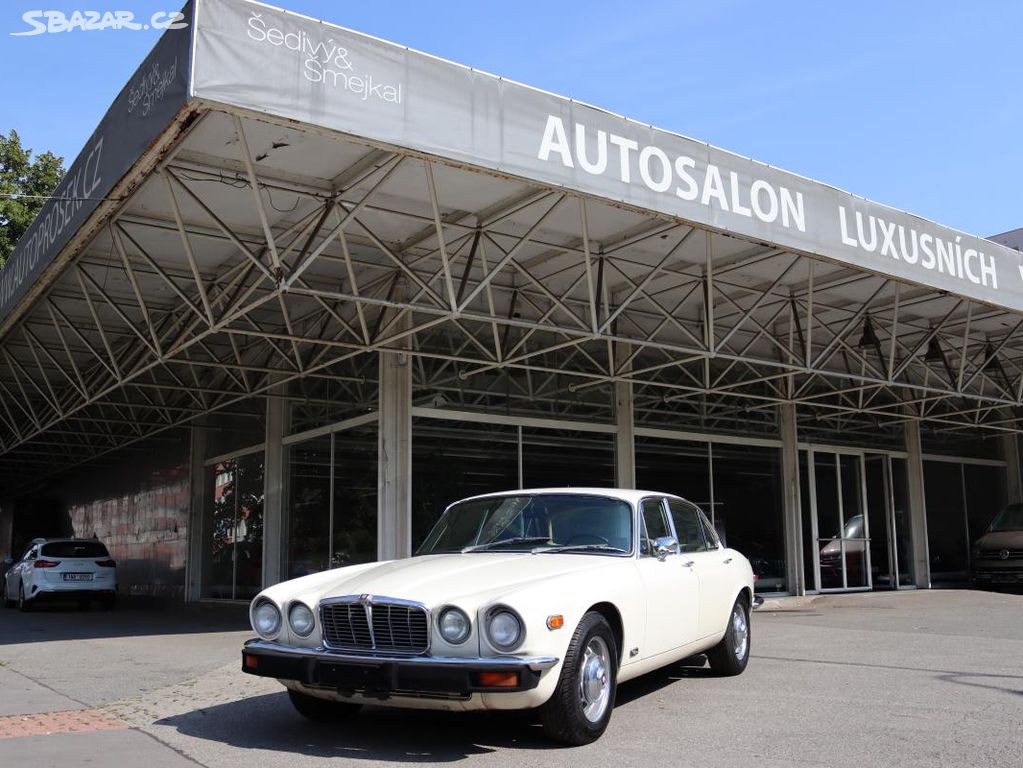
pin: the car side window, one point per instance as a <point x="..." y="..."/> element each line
<point x="687" y="526"/>
<point x="655" y="525"/>
<point x="713" y="542"/>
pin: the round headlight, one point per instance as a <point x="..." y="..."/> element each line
<point x="504" y="629"/>
<point x="454" y="626"/>
<point x="266" y="619"/>
<point x="301" y="619"/>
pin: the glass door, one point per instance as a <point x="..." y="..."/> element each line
<point x="880" y="514"/>
<point x="840" y="524"/>
<point x="888" y="516"/>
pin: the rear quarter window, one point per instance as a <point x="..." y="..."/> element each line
<point x="75" y="549"/>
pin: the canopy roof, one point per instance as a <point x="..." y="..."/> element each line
<point x="270" y="198"/>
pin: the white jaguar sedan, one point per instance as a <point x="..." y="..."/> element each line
<point x="527" y="599"/>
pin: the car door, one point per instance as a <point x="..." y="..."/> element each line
<point x="712" y="565"/>
<point x="23" y="572"/>
<point x="672" y="590"/>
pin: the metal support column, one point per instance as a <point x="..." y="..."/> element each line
<point x="625" y="436"/>
<point x="196" y="512"/>
<point x="917" y="505"/>
<point x="1013" y="483"/>
<point x="792" y="515"/>
<point x="394" y="462"/>
<point x="274" y="515"/>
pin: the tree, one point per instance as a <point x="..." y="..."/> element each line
<point x="24" y="185"/>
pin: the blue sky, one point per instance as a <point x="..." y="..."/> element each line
<point x="912" y="104"/>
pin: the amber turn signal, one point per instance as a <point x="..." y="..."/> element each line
<point x="499" y="679"/>
<point x="555" y="622"/>
<point x="251" y="662"/>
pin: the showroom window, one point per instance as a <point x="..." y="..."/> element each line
<point x="233" y="534"/>
<point x="452" y="460"/>
<point x="332" y="501"/>
<point x="961" y="499"/>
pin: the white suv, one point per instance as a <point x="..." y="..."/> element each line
<point x="68" y="569"/>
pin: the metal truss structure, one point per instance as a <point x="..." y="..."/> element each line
<point x="261" y="259"/>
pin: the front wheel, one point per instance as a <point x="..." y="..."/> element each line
<point x="580" y="708"/>
<point x="731" y="655"/>
<point x="322" y="710"/>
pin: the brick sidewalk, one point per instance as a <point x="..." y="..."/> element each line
<point x="68" y="721"/>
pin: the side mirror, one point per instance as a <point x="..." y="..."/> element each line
<point x="664" y="546"/>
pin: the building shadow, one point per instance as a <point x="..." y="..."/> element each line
<point x="134" y="616"/>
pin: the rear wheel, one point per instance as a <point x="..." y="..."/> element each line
<point x="580" y="708"/>
<point x="323" y="710"/>
<point x="731" y="655"/>
<point x="23" y="603"/>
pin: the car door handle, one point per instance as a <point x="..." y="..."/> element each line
<point x="688" y="564"/>
<point x="728" y="560"/>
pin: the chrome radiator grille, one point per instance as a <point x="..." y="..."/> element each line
<point x="368" y="623"/>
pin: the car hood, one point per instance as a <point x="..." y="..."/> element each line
<point x="435" y="579"/>
<point x="1001" y="540"/>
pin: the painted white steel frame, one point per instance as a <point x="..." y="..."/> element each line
<point x="134" y="339"/>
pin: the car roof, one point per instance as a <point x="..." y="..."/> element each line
<point x="630" y="495"/>
<point x="63" y="539"/>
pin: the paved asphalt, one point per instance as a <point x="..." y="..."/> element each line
<point x="908" y="679"/>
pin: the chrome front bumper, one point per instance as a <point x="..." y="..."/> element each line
<point x="386" y="676"/>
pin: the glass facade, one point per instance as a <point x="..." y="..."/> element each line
<point x="854" y="511"/>
<point x="332" y="501"/>
<point x="739" y="487"/>
<point x="961" y="500"/>
<point x="563" y="457"/>
<point x="748" y="509"/>
<point x="681" y="467"/>
<point x="233" y="567"/>
<point x="452" y="460"/>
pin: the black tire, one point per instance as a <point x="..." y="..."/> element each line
<point x="24" y="605"/>
<point x="322" y="710"/>
<point x="563" y="715"/>
<point x="731" y="655"/>
<point x="109" y="603"/>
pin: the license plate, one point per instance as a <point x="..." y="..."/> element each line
<point x="346" y="676"/>
<point x="77" y="577"/>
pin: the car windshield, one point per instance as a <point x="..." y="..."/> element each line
<point x="1009" y="519"/>
<point x="74" y="549"/>
<point x="547" y="522"/>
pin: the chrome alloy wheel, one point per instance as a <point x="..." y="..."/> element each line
<point x="740" y="632"/>
<point x="594" y="680"/>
